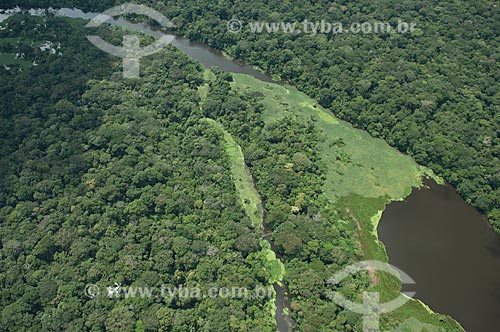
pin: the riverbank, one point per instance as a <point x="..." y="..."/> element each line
<point x="364" y="175"/>
<point x="252" y="204"/>
<point x="458" y="268"/>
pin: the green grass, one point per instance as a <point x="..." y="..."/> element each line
<point x="414" y="315"/>
<point x="414" y="325"/>
<point x="272" y="264"/>
<point x="364" y="166"/>
<point x="251" y="202"/>
<point x="249" y="197"/>
<point x="203" y="89"/>
<point x="363" y="174"/>
<point x="10" y="59"/>
<point x="248" y="194"/>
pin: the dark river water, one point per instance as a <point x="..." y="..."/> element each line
<point x="205" y="55"/>
<point x="450" y="251"/>
<point x="444" y="244"/>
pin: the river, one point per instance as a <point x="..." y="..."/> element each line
<point x="210" y="58"/>
<point x="443" y="243"/>
<point x="450" y="251"/>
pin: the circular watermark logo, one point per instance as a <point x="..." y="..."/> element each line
<point x="92" y="291"/>
<point x="234" y="25"/>
<point x="131" y="52"/>
<point x="371" y="308"/>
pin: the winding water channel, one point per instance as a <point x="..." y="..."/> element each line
<point x="211" y="58"/>
<point x="444" y="244"/>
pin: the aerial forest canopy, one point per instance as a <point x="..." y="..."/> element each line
<point x="107" y="181"/>
<point x="433" y="93"/>
<point x="134" y="182"/>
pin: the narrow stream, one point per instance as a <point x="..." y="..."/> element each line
<point x="433" y="235"/>
<point x="209" y="58"/>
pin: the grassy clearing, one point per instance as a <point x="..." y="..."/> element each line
<point x="364" y="174"/>
<point x="10" y="60"/>
<point x="357" y="163"/>
<point x="203" y="89"/>
<point x="249" y="197"/>
<point x="248" y="194"/>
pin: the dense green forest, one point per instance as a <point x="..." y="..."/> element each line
<point x="106" y="181"/>
<point x="433" y="94"/>
<point x="110" y="181"/>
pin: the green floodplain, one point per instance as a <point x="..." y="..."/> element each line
<point x="363" y="175"/>
<point x="375" y="175"/>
